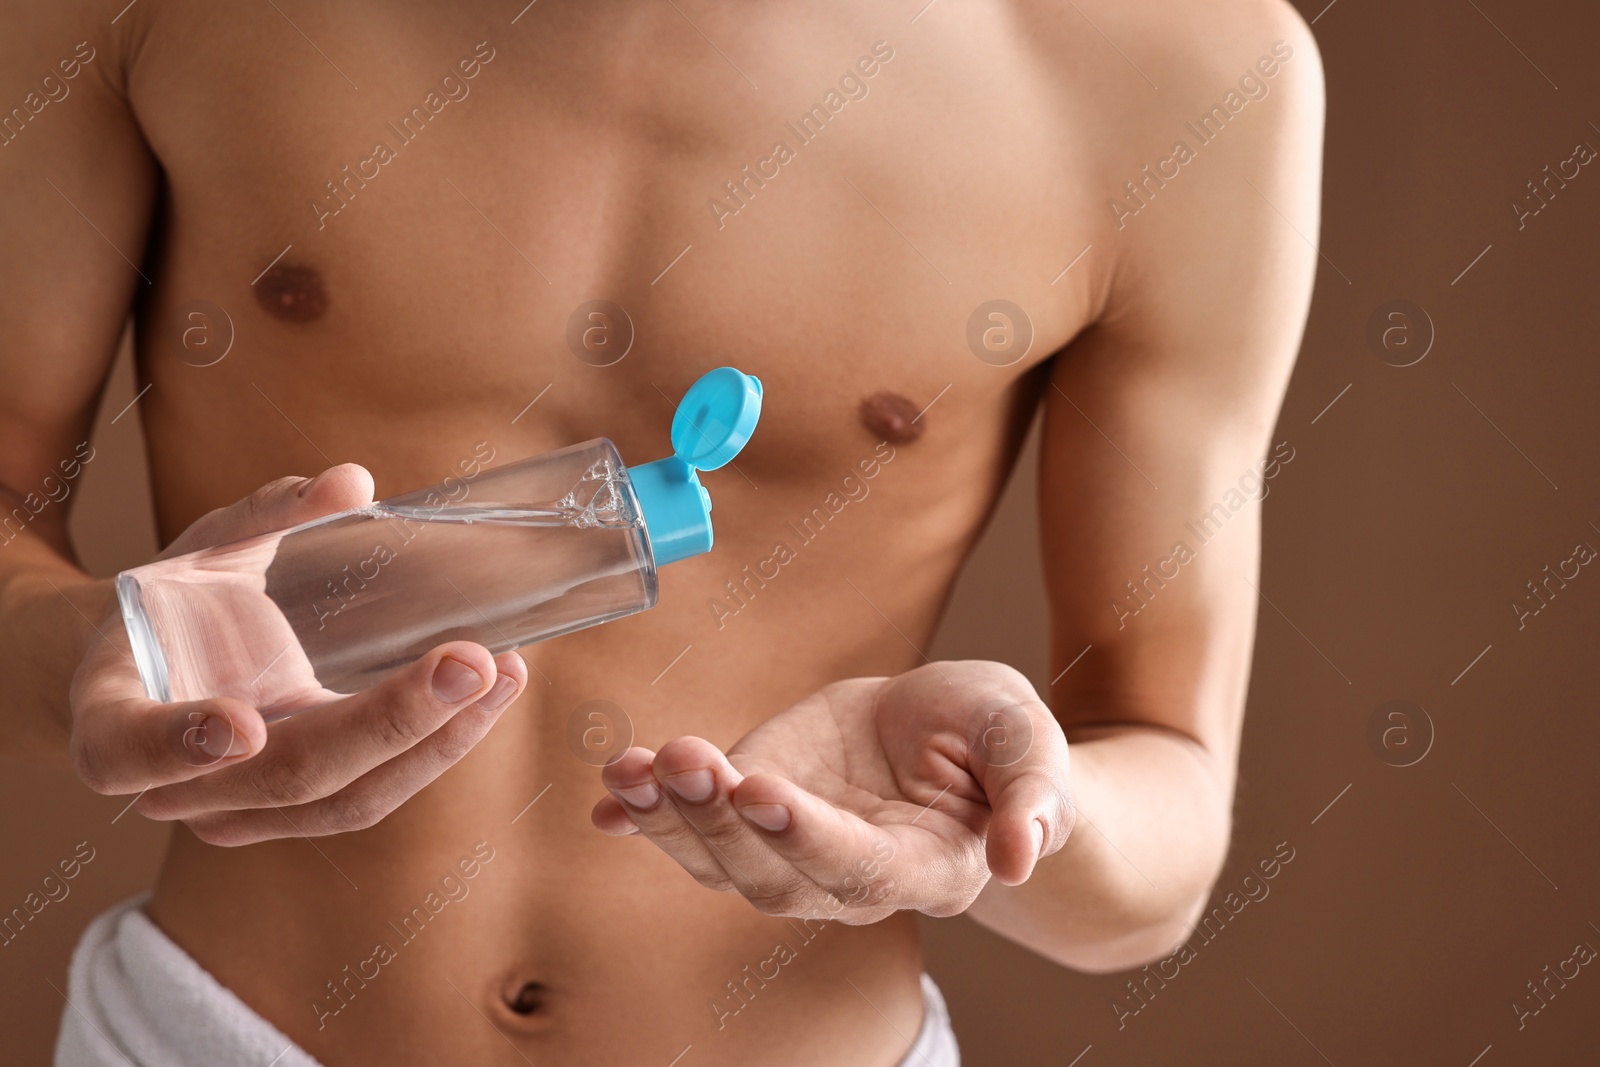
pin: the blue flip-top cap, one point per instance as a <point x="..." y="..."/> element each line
<point x="714" y="420"/>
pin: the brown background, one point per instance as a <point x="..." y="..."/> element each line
<point x="1417" y="507"/>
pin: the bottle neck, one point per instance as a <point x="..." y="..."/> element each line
<point x="675" y="508"/>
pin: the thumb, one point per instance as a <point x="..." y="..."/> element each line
<point x="277" y="506"/>
<point x="1031" y="818"/>
<point x="130" y="745"/>
<point x="1021" y="759"/>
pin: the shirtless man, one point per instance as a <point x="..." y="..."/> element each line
<point x="395" y="211"/>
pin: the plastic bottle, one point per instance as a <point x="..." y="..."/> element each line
<point x="519" y="553"/>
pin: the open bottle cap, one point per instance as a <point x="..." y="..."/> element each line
<point x="715" y="418"/>
<point x="713" y="422"/>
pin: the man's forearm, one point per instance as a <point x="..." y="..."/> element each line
<point x="1151" y="834"/>
<point x="49" y="612"/>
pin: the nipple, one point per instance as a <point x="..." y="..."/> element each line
<point x="891" y="417"/>
<point x="292" y="293"/>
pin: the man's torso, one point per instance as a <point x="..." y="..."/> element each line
<point x="399" y="260"/>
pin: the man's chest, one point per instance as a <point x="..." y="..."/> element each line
<point x="446" y="218"/>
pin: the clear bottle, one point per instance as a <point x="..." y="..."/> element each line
<point x="516" y="554"/>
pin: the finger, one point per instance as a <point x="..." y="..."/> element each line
<point x="633" y="785"/>
<point x="1019" y="756"/>
<point x="610" y="817"/>
<point x="315" y="754"/>
<point x="277" y="506"/>
<point x="699" y="781"/>
<point x="1031" y="818"/>
<point x="862" y="870"/>
<point x="129" y="745"/>
<point x="371" y="797"/>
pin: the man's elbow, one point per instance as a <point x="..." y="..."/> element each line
<point x="1139" y="946"/>
<point x="1153" y="927"/>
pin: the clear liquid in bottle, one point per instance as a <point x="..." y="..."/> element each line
<point x="301" y="617"/>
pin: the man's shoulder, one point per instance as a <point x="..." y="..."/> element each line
<point x="1155" y="85"/>
<point x="1193" y="35"/>
<point x="1161" y="52"/>
<point x="1204" y="45"/>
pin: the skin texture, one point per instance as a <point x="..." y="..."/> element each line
<point x="425" y="314"/>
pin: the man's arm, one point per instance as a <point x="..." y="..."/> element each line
<point x="78" y="185"/>
<point x="1151" y="532"/>
<point x="951" y="787"/>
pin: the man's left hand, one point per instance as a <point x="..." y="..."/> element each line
<point x="870" y="796"/>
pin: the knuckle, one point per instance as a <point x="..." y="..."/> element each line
<point x="260" y="503"/>
<point x="346" y="812"/>
<point x="787" y="898"/>
<point x="451" y="745"/>
<point x="717" y="881"/>
<point x="677" y="838"/>
<point x="281" y="783"/>
<point x="90" y="767"/>
<point x="395" y="728"/>
<point x="726" y="834"/>
<point x="251" y="507"/>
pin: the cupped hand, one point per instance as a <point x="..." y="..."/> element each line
<point x="215" y="765"/>
<point x="871" y="796"/>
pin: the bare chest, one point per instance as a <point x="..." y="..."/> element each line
<point x="392" y="231"/>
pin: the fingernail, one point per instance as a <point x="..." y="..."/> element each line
<point x="774" y="817"/>
<point x="640" y="796"/>
<point x="693" y="786"/>
<point x="499" y="693"/>
<point x="215" y="736"/>
<point x="307" y="485"/>
<point x="454" y="681"/>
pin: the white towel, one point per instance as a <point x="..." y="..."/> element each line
<point x="935" y="1045"/>
<point x="134" y="997"/>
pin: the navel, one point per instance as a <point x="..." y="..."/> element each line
<point x="528" y="1000"/>
<point x="891" y="417"/>
<point x="292" y="293"/>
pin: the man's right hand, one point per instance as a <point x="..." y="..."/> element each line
<point x="214" y="764"/>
